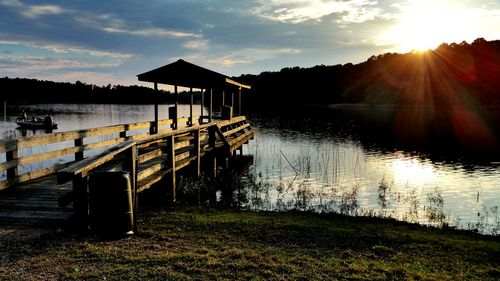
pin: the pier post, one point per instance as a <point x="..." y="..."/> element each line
<point x="197" y="152"/>
<point x="81" y="203"/>
<point x="212" y="161"/>
<point x="12" y="172"/>
<point x="171" y="164"/>
<point x="131" y="167"/>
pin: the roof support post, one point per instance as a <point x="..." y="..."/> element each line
<point x="176" y="104"/>
<point x="232" y="99"/>
<point x="154" y="128"/>
<point x="210" y="107"/>
<point x="191" y="107"/>
<point x="202" y="105"/>
<point x="239" y="102"/>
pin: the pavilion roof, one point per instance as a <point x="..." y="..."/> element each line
<point x="185" y="74"/>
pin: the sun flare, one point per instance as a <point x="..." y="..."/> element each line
<point x="423" y="25"/>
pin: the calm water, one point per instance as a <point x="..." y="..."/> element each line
<point x="328" y="162"/>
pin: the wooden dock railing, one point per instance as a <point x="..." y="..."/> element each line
<point x="53" y="147"/>
<point x="157" y="157"/>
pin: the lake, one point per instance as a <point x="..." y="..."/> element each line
<point x="439" y="169"/>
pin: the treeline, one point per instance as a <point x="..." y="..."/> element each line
<point x="450" y="74"/>
<point x="22" y="90"/>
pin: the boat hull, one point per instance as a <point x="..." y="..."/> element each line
<point x="35" y="125"/>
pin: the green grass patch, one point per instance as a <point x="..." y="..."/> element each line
<point x="235" y="245"/>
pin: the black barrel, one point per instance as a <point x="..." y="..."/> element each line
<point x="110" y="204"/>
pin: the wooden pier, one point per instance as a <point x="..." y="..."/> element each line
<point x="46" y="194"/>
<point x="56" y="185"/>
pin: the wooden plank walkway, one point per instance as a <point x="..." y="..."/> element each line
<point x="34" y="202"/>
<point x="35" y="197"/>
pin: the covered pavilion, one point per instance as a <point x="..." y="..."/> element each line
<point x="184" y="74"/>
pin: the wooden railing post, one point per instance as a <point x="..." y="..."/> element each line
<point x="79" y="154"/>
<point x="81" y="203"/>
<point x="12" y="172"/>
<point x="131" y="167"/>
<point x="197" y="152"/>
<point x="212" y="161"/>
<point x="172" y="114"/>
<point x="171" y="163"/>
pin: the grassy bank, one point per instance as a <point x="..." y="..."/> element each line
<point x="232" y="245"/>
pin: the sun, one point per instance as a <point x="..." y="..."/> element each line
<point x="423" y="25"/>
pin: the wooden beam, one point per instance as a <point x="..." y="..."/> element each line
<point x="230" y="81"/>
<point x="84" y="166"/>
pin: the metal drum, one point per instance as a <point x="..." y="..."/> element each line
<point x="110" y="204"/>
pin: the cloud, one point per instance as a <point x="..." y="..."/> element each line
<point x="152" y="32"/>
<point x="298" y="11"/>
<point x="41" y="10"/>
<point x="33" y="11"/>
<point x="196" y="44"/>
<point x="244" y="56"/>
<point x="27" y="64"/>
<point x="58" y="48"/>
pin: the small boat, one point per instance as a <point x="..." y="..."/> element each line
<point x="37" y="123"/>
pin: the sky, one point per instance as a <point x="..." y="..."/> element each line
<point x="110" y="41"/>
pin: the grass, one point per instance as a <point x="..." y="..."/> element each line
<point x="212" y="244"/>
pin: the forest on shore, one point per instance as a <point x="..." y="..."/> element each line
<point x="450" y="74"/>
<point x="457" y="73"/>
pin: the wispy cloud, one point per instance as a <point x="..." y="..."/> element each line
<point x="41" y="10"/>
<point x="58" y="48"/>
<point x="196" y="44"/>
<point x="33" y="11"/>
<point x="152" y="32"/>
<point x="238" y="57"/>
<point x="298" y="11"/>
<point x="20" y="64"/>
